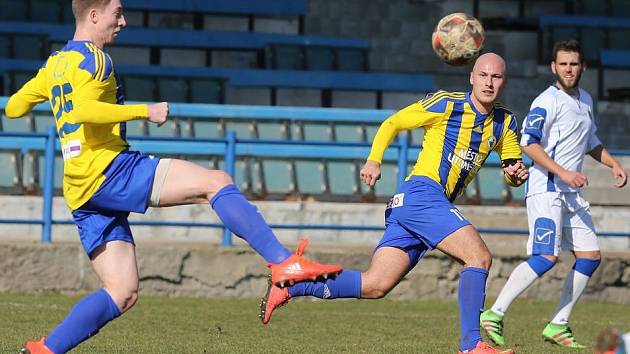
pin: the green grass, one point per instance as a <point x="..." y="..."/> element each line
<point x="183" y="325"/>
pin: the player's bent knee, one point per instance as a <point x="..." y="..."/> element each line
<point x="124" y="298"/>
<point x="375" y="289"/>
<point x="541" y="264"/>
<point x="482" y="259"/>
<point x="217" y="180"/>
<point x="586" y="266"/>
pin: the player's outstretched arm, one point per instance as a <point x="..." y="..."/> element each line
<point x="602" y="155"/>
<point x="370" y="173"/>
<point x="23" y="101"/>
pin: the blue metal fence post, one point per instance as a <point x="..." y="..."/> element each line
<point x="230" y="167"/>
<point x="403" y="150"/>
<point x="49" y="183"/>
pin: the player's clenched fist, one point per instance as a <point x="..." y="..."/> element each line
<point x="517" y="172"/>
<point x="158" y="113"/>
<point x="370" y="173"/>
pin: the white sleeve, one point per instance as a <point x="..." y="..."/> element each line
<point x="536" y="123"/>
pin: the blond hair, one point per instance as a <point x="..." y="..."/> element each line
<point x="81" y="7"/>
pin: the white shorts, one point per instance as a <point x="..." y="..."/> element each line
<point x="559" y="221"/>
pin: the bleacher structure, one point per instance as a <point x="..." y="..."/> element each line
<point x="225" y="52"/>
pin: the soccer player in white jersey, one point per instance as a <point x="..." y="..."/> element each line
<point x="558" y="131"/>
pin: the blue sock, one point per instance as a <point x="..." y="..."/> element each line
<point x="347" y="285"/>
<point x="244" y="220"/>
<point x="84" y="320"/>
<point x="472" y="295"/>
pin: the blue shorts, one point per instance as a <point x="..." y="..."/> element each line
<point x="418" y="217"/>
<point x="127" y="188"/>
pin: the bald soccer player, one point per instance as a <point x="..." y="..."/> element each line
<point x="461" y="129"/>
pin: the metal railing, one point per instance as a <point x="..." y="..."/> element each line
<point x="230" y="147"/>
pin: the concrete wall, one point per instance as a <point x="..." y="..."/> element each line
<point x="613" y="219"/>
<point x="202" y="270"/>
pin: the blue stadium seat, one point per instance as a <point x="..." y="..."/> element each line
<point x="317" y="132"/>
<point x="206" y="91"/>
<point x="172" y="89"/>
<point x="20" y="125"/>
<point x="348" y="133"/>
<point x="277" y="176"/>
<point x="9" y="179"/>
<point x="272" y="130"/>
<point x="286" y="57"/>
<point x="137" y="128"/>
<point x="320" y="58"/>
<point x="139" y="88"/>
<point x="349" y="59"/>
<point x="309" y="177"/>
<point x="42" y="121"/>
<point x="386" y="186"/>
<point x="342" y="176"/>
<point x="491" y="184"/>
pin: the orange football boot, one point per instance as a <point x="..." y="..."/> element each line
<point x="483" y="348"/>
<point x="297" y="268"/>
<point x="274" y="298"/>
<point x="33" y="347"/>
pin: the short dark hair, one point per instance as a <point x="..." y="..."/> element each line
<point x="80" y="7"/>
<point x="570" y="45"/>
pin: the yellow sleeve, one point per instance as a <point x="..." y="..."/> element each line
<point x="27" y="97"/>
<point x="508" y="147"/>
<point x="96" y="112"/>
<point x="410" y="117"/>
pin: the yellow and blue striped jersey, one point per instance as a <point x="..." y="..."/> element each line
<point x="86" y="99"/>
<point x="457" y="138"/>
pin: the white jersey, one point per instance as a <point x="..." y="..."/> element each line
<point x="563" y="125"/>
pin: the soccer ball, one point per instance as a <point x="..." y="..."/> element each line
<point x="458" y="38"/>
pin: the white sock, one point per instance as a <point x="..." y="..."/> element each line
<point x="573" y="288"/>
<point x="521" y="278"/>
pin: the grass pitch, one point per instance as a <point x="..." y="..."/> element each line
<point x="181" y="325"/>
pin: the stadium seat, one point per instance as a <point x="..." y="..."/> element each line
<point x="348" y="133"/>
<point x="317" y="131"/>
<point x="41" y="121"/>
<point x="172" y="89"/>
<point x="351" y="60"/>
<point x="21" y="125"/>
<point x="137" y="128"/>
<point x="273" y="130"/>
<point x="10" y="179"/>
<point x="310" y="179"/>
<point x="320" y="59"/>
<point x="343" y="177"/>
<point x="386" y="186"/>
<point x="278" y="177"/>
<point x="491" y="184"/>
<point x="286" y="57"/>
<point x="206" y="91"/>
<point x="139" y="88"/>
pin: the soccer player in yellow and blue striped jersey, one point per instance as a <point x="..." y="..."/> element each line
<point x="461" y="129"/>
<point x="104" y="181"/>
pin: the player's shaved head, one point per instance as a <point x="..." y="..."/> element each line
<point x="487" y="79"/>
<point x="81" y="7"/>
<point x="489" y="59"/>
